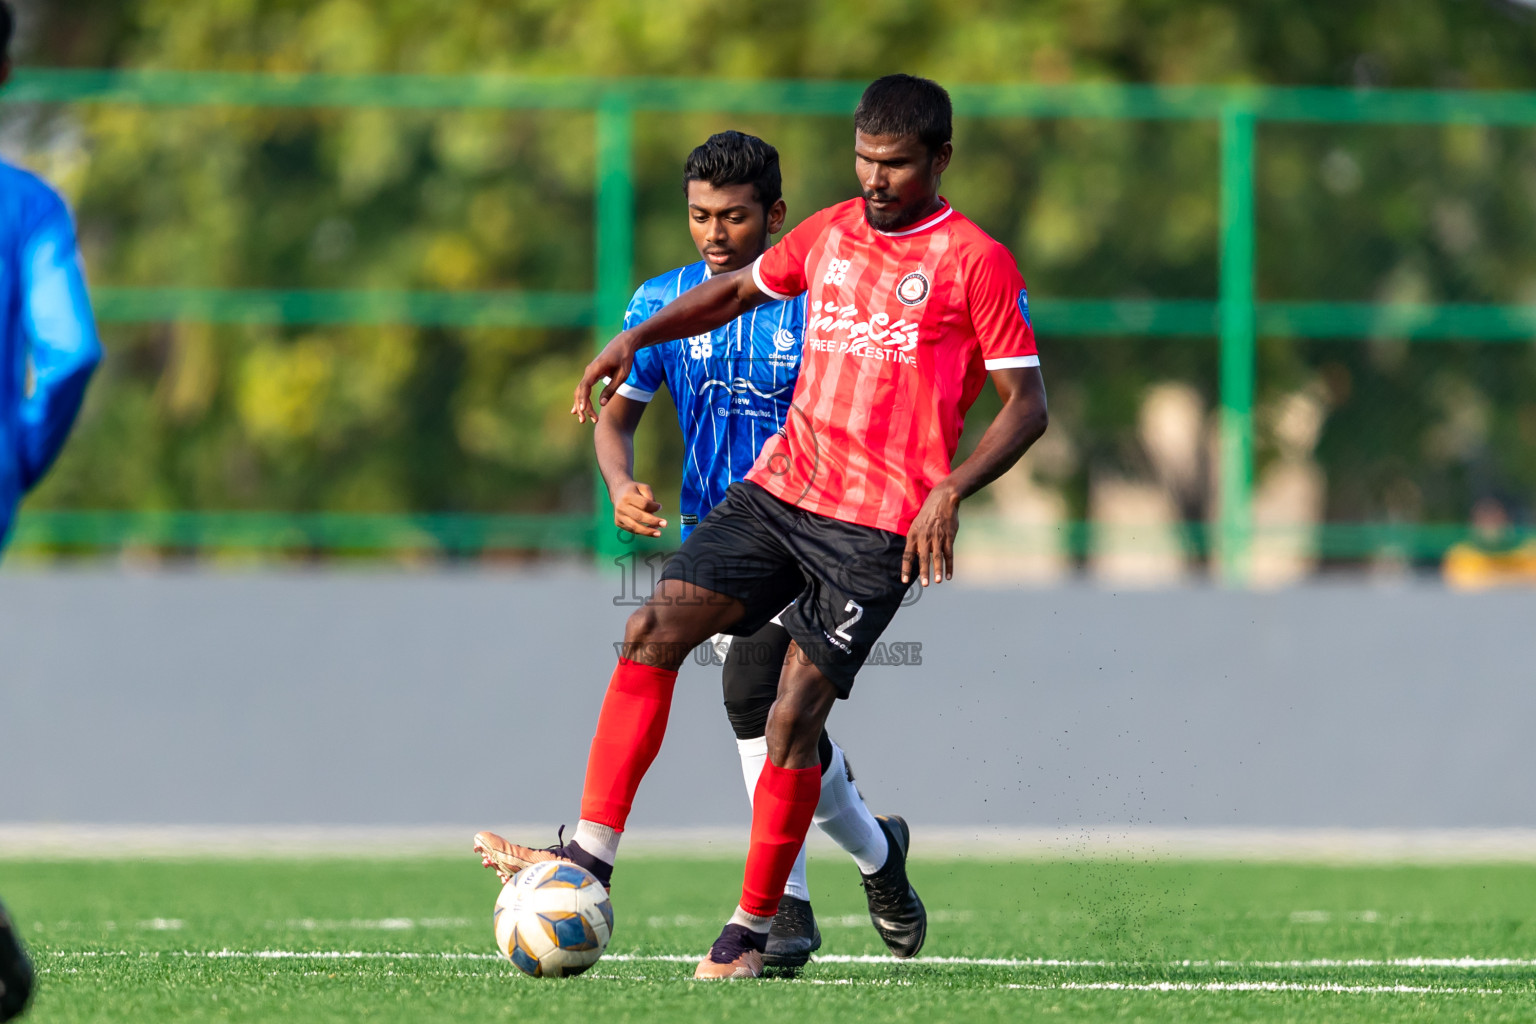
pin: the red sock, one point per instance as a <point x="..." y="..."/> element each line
<point x="629" y="733"/>
<point x="782" y="808"/>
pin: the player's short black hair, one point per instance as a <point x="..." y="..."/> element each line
<point x="7" y="26"/>
<point x="899" y="105"/>
<point x="736" y="158"/>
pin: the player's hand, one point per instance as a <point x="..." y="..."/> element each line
<point x="633" y="504"/>
<point x="930" y="553"/>
<point x="612" y="365"/>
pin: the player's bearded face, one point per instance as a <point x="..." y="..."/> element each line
<point x="899" y="177"/>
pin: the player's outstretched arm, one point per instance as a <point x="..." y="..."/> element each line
<point x="712" y="304"/>
<point x="63" y="348"/>
<point x="634" y="504"/>
<point x="930" y="552"/>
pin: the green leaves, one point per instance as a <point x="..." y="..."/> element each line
<point x="316" y="416"/>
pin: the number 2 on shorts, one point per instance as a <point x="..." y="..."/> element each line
<point x="858" y="613"/>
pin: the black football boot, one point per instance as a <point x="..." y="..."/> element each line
<point x="897" y="913"/>
<point x="15" y="971"/>
<point x="794" y="936"/>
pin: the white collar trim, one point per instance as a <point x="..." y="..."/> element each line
<point x="932" y="221"/>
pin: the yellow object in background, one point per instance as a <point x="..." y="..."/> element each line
<point x="1492" y="556"/>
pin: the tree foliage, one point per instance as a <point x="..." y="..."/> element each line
<point x="401" y="418"/>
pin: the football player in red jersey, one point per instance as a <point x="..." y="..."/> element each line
<point x="732" y="390"/>
<point x="911" y="308"/>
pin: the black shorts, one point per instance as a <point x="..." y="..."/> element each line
<point x="844" y="579"/>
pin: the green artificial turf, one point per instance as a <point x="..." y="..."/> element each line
<point x="153" y="941"/>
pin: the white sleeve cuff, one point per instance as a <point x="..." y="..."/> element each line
<point x="635" y="393"/>
<point x="757" y="279"/>
<point x="1012" y="362"/>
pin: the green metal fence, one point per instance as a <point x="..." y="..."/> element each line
<point x="1235" y="316"/>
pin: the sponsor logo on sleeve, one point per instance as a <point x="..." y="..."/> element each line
<point x="1024" y="305"/>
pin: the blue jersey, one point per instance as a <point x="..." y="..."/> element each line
<point x="48" y="344"/>
<point x="731" y="386"/>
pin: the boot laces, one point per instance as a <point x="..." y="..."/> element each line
<point x="559" y="849"/>
<point x="886" y="888"/>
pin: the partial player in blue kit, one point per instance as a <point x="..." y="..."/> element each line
<point x="732" y="388"/>
<point x="48" y="343"/>
<point x="48" y="350"/>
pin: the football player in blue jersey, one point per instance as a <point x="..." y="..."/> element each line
<point x="48" y="350"/>
<point x="732" y="389"/>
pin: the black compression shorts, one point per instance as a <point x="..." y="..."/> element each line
<point x="844" y="579"/>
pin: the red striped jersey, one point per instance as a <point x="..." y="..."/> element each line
<point x="900" y="331"/>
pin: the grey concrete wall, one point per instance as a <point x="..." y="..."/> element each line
<point x="434" y="698"/>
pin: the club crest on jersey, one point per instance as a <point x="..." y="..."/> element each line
<point x="912" y="289"/>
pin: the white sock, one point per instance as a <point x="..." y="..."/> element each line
<point x="600" y="841"/>
<point x="761" y="925"/>
<point x="754" y="754"/>
<point x="841" y="814"/>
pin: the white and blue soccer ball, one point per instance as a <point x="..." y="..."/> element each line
<point x="553" y="920"/>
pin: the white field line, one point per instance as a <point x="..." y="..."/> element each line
<point x="1072" y="986"/>
<point x="388" y="924"/>
<point x="1461" y="962"/>
<point x="1453" y="963"/>
<point x="938" y="916"/>
<point x="308" y="924"/>
<point x="1108" y="986"/>
<point x="1254" y="986"/>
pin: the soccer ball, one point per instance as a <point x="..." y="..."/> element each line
<point x="553" y="920"/>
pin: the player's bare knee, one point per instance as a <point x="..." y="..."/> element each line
<point x="797" y="718"/>
<point x="641" y="626"/>
<point x="648" y="639"/>
<point x="793" y="737"/>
